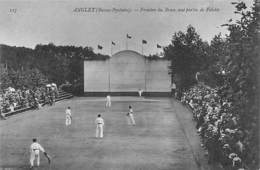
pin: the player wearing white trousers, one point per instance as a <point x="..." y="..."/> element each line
<point x="130" y="115"/>
<point x="99" y="126"/>
<point x="140" y="92"/>
<point x="108" y="103"/>
<point x="35" y="149"/>
<point x="68" y="116"/>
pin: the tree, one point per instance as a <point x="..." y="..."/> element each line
<point x="218" y="53"/>
<point x="187" y="53"/>
<point x="241" y="86"/>
<point x="5" y="81"/>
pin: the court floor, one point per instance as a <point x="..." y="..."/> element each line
<point x="159" y="141"/>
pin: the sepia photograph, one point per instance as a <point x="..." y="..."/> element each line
<point x="129" y="85"/>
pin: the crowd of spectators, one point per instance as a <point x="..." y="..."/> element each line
<point x="12" y="99"/>
<point x="218" y="126"/>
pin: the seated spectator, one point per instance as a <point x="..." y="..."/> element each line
<point x="12" y="99"/>
<point x="12" y="107"/>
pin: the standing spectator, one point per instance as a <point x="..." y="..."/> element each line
<point x="1" y="114"/>
<point x="173" y="89"/>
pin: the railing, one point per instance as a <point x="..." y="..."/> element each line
<point x="19" y="108"/>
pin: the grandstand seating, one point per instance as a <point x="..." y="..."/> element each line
<point x="18" y="109"/>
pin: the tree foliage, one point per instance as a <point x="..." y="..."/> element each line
<point x="22" y="78"/>
<point x="240" y="83"/>
<point x="230" y="63"/>
<point x="55" y="63"/>
<point x="187" y="53"/>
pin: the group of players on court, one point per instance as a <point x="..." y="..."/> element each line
<point x="35" y="147"/>
<point x="99" y="120"/>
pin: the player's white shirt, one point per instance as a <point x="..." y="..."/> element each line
<point x="131" y="111"/>
<point x="68" y="112"/>
<point x="99" y="121"/>
<point x="108" y="98"/>
<point x="36" y="147"/>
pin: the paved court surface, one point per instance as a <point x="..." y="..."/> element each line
<point x="163" y="139"/>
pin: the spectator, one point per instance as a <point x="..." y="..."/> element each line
<point x="218" y="126"/>
<point x="12" y="99"/>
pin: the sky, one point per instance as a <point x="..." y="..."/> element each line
<point x="91" y="23"/>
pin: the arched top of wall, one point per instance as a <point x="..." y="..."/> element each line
<point x="127" y="57"/>
<point x="127" y="52"/>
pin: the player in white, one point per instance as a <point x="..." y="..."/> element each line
<point x="108" y="103"/>
<point x="68" y="116"/>
<point x="35" y="149"/>
<point x="130" y="115"/>
<point x="140" y="92"/>
<point x="100" y="124"/>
